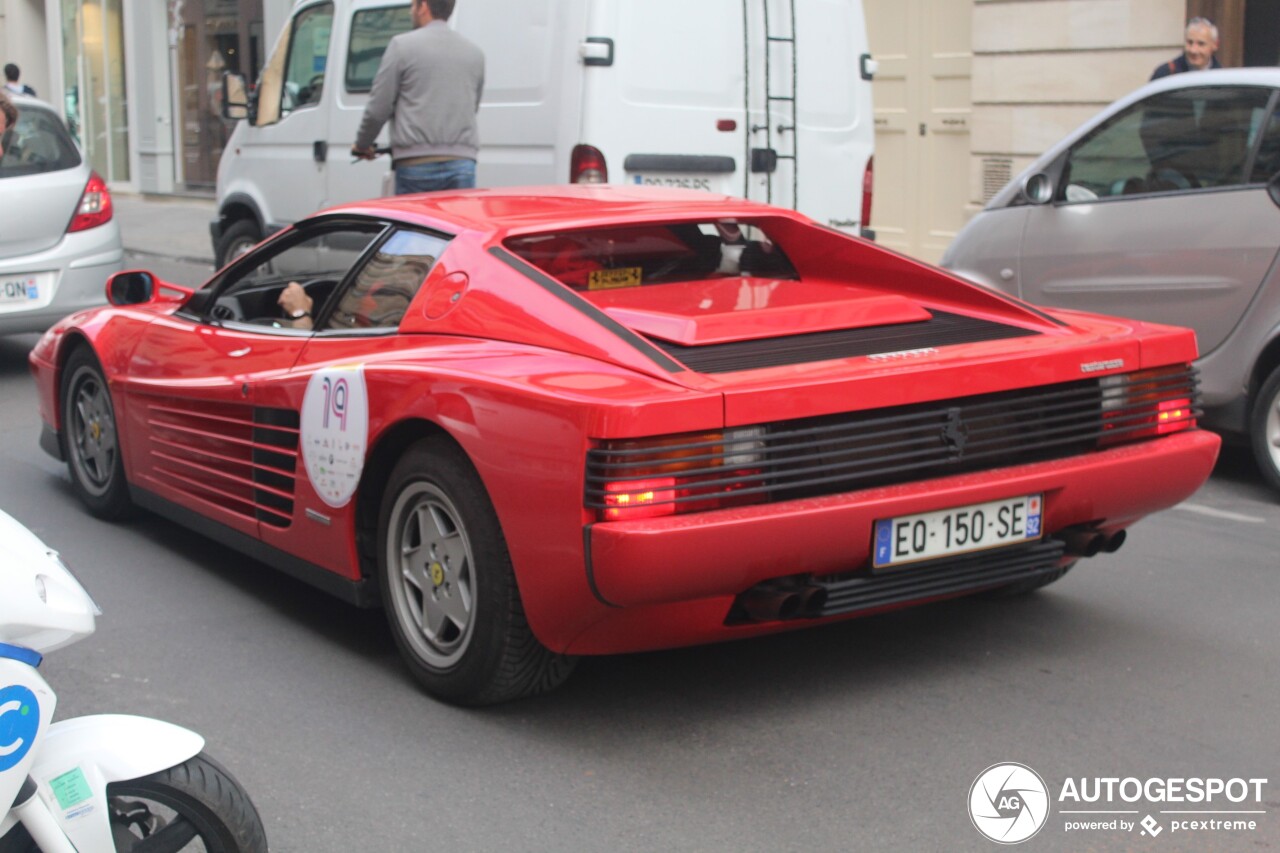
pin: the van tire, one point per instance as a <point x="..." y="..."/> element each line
<point x="240" y="236"/>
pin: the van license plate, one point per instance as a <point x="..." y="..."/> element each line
<point x="912" y="538"/>
<point x="706" y="183"/>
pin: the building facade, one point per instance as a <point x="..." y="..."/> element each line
<point x="968" y="91"/>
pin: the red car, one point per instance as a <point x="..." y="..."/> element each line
<point x="536" y="424"/>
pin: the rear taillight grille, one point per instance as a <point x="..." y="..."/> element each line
<point x="810" y="457"/>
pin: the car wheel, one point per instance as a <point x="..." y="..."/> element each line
<point x="1264" y="429"/>
<point x="240" y="236"/>
<point x="92" y="438"/>
<point x="448" y="586"/>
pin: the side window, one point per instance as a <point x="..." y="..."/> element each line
<point x="308" y="57"/>
<point x="318" y="261"/>
<point x="1175" y="141"/>
<point x="383" y="289"/>
<point x="371" y="30"/>
<point x="1268" y="162"/>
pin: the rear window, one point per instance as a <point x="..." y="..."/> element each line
<point x="38" y="143"/>
<point x="636" y="255"/>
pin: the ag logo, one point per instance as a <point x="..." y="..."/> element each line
<point x="19" y="722"/>
<point x="1008" y="803"/>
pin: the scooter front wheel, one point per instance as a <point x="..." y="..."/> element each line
<point x="195" y="807"/>
<point x="197" y="802"/>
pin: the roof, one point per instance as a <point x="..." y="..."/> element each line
<point x="528" y="209"/>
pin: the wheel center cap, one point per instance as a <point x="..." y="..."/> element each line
<point x="437" y="573"/>
<point x="95" y="430"/>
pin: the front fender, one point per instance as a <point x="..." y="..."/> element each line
<point x="78" y="757"/>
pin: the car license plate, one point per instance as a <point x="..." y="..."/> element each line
<point x="912" y="538"/>
<point x="20" y="289"/>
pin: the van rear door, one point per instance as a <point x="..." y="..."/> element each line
<point x="757" y="98"/>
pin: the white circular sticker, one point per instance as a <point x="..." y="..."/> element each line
<point x="335" y="430"/>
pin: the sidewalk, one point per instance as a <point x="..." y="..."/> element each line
<point x="170" y="227"/>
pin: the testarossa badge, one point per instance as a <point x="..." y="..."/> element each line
<point x="335" y="432"/>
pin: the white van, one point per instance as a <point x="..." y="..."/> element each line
<point x="767" y="99"/>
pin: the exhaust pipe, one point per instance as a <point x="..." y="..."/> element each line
<point x="1114" y="541"/>
<point x="766" y="605"/>
<point x="1084" y="543"/>
<point x="812" y="600"/>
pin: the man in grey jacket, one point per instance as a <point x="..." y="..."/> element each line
<point x="429" y="83"/>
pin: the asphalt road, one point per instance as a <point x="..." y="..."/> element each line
<point x="1158" y="661"/>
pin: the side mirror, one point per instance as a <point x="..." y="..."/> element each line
<point x="132" y="287"/>
<point x="1273" y="188"/>
<point x="235" y="96"/>
<point x="1038" y="189"/>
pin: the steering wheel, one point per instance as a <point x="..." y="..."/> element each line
<point x="1171" y="178"/>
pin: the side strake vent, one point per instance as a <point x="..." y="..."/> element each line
<point x="785" y="460"/>
<point x="943" y="329"/>
<point x="239" y="458"/>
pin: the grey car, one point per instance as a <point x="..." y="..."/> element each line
<point x="1163" y="207"/>
<point x="59" y="239"/>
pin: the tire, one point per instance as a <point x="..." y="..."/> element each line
<point x="92" y="440"/>
<point x="179" y="809"/>
<point x="448" y="587"/>
<point x="240" y="236"/>
<point x="1264" y="429"/>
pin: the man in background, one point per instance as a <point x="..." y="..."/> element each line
<point x="429" y="83"/>
<point x="1199" y="45"/>
<point x="11" y="75"/>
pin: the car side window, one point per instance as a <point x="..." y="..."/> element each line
<point x="380" y="293"/>
<point x="318" y="261"/>
<point x="1267" y="163"/>
<point x="1189" y="139"/>
<point x="371" y="31"/>
<point x="308" y="58"/>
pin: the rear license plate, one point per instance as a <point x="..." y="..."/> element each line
<point x="706" y="183"/>
<point x="912" y="538"/>
<point x="20" y="289"/>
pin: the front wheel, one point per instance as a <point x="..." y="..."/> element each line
<point x="195" y="807"/>
<point x="240" y="236"/>
<point x="448" y="586"/>
<point x="1264" y="429"/>
<point x="92" y="438"/>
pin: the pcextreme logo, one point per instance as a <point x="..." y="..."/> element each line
<point x="1009" y="803"/>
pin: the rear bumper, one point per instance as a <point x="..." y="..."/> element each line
<point x="712" y="555"/>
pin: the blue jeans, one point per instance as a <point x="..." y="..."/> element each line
<point x="441" y="175"/>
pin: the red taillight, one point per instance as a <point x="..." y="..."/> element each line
<point x="95" y="206"/>
<point x="639" y="499"/>
<point x="1144" y="405"/>
<point x="1174" y="416"/>
<point x="587" y="166"/>
<point x="868" y="175"/>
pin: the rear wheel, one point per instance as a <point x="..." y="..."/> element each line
<point x="92" y="438"/>
<point x="448" y="587"/>
<point x="1264" y="429"/>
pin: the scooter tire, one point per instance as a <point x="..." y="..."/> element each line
<point x="203" y="794"/>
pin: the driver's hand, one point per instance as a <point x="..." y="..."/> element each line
<point x="363" y="153"/>
<point x="296" y="305"/>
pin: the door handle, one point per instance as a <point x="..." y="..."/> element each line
<point x="319" y="150"/>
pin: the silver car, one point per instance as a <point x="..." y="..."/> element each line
<point x="1164" y="207"/>
<point x="59" y="239"/>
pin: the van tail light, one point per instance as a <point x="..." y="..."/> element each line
<point x="868" y="175"/>
<point x="94" y="208"/>
<point x="1146" y="404"/>
<point x="631" y="479"/>
<point x="587" y="166"/>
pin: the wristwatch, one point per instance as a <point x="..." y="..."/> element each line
<point x="299" y="314"/>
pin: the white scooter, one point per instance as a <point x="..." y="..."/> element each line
<point x="100" y="784"/>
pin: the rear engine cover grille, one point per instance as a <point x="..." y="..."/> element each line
<point x="810" y="457"/>
<point x="240" y="458"/>
<point x="942" y="329"/>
